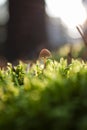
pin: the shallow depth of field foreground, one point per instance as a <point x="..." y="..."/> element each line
<point x="44" y="96"/>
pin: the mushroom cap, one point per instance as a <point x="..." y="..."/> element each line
<point x="45" y="53"/>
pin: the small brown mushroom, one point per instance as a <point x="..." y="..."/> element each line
<point x="45" y="53"/>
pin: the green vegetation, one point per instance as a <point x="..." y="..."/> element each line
<point x="38" y="97"/>
<point x="76" y="50"/>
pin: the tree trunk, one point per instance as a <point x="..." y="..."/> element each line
<point x="26" y="29"/>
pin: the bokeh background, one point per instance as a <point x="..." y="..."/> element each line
<point x="27" y="26"/>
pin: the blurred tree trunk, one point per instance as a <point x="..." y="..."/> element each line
<point x="26" y="29"/>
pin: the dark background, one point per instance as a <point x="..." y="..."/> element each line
<point x="26" y="29"/>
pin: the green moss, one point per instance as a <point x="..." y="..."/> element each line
<point x="54" y="97"/>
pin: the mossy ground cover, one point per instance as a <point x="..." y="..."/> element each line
<point x="38" y="97"/>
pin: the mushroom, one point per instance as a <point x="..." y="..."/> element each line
<point x="44" y="55"/>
